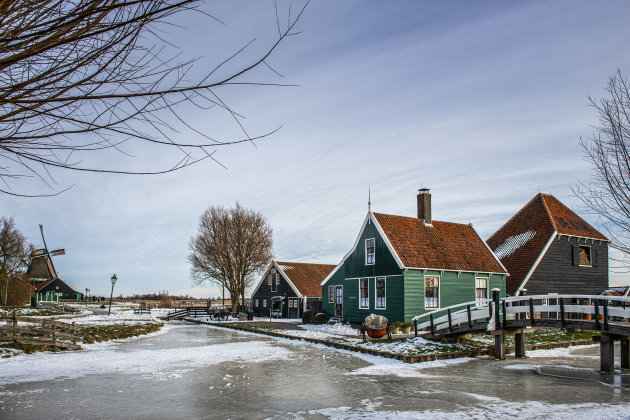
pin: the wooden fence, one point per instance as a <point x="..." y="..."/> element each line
<point x="46" y="332"/>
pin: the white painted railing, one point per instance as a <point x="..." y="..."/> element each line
<point x="598" y="308"/>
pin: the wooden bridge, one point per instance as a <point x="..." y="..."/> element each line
<point x="608" y="314"/>
<point x="189" y="312"/>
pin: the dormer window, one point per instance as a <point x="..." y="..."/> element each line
<point x="369" y="251"/>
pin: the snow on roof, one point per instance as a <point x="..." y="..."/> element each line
<point x="513" y="243"/>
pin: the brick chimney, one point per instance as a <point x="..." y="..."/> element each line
<point x="424" y="205"/>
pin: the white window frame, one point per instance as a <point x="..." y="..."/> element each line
<point x="264" y="303"/>
<point x="256" y="303"/>
<point x="367" y="289"/>
<point x="331" y="294"/>
<point x="275" y="283"/>
<point x="590" y="256"/>
<point x="367" y="262"/>
<point x="478" y="302"/>
<point x="376" y="293"/>
<point x="424" y="286"/>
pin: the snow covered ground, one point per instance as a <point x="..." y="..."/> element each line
<point x="348" y="335"/>
<point x="105" y="358"/>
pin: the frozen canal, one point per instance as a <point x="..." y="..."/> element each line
<point x="199" y="372"/>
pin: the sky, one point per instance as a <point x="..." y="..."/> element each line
<point x="482" y="102"/>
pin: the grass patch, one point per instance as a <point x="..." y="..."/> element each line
<point x="98" y="333"/>
<point x="538" y="336"/>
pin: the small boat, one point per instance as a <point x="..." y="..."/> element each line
<point x="375" y="326"/>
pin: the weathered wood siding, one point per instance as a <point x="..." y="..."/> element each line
<point x="558" y="272"/>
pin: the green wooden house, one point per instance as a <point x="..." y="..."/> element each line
<point x="400" y="267"/>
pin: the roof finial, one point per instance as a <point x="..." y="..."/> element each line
<point x="369" y="199"/>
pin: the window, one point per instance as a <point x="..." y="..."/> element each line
<point x="481" y="291"/>
<point x="256" y="303"/>
<point x="331" y="294"/>
<point x="264" y="303"/>
<point x="585" y="256"/>
<point x="380" y="292"/>
<point x="431" y="292"/>
<point x="364" y="296"/>
<point x="274" y="282"/>
<point x="290" y="303"/>
<point x="369" y="251"/>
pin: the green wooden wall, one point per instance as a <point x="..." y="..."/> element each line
<point x="454" y="289"/>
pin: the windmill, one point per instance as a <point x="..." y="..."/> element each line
<point x="42" y="267"/>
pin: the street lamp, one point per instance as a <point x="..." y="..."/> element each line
<point x="112" y="295"/>
<point x="85" y="297"/>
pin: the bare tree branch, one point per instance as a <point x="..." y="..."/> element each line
<point x="85" y="76"/>
<point x="231" y="246"/>
<point x="607" y="194"/>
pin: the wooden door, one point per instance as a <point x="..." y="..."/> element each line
<point x="339" y="301"/>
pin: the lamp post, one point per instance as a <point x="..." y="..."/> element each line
<point x="85" y="297"/>
<point x="112" y="295"/>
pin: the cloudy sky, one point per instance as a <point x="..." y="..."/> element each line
<point x="483" y="102"/>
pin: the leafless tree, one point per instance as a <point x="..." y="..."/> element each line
<point x="81" y="76"/>
<point x="230" y="247"/>
<point x="607" y="194"/>
<point x="14" y="254"/>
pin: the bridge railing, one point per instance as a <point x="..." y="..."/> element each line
<point x="451" y="316"/>
<point x="597" y="308"/>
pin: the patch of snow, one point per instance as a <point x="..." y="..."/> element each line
<point x="106" y="360"/>
<point x="513" y="243"/>
<point x="561" y="352"/>
<point x="495" y="408"/>
<point x="127" y="317"/>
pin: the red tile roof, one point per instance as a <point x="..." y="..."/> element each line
<point x="442" y="245"/>
<point x="567" y="222"/>
<point x="520" y="241"/>
<point x="306" y="277"/>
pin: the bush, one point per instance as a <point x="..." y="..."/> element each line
<point x="396" y="324"/>
<point x="406" y="324"/>
<point x="308" y="317"/>
<point x="321" y="318"/>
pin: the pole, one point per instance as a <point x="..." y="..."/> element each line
<point x="110" y="300"/>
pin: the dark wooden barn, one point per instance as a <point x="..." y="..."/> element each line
<point x="56" y="289"/>
<point x="548" y="249"/>
<point x="287" y="289"/>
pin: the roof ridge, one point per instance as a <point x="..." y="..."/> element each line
<point x="553" y="223"/>
<point x="420" y="220"/>
<point x="518" y="213"/>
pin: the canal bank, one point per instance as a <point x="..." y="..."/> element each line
<point x="272" y="330"/>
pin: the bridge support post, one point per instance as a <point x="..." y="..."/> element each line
<point x="519" y="343"/>
<point x="606" y="353"/>
<point x="499" y="345"/>
<point x="624" y="345"/>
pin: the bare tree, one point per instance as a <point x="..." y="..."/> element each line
<point x="607" y="195"/>
<point x="14" y="254"/>
<point x="85" y="76"/>
<point x="231" y="246"/>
